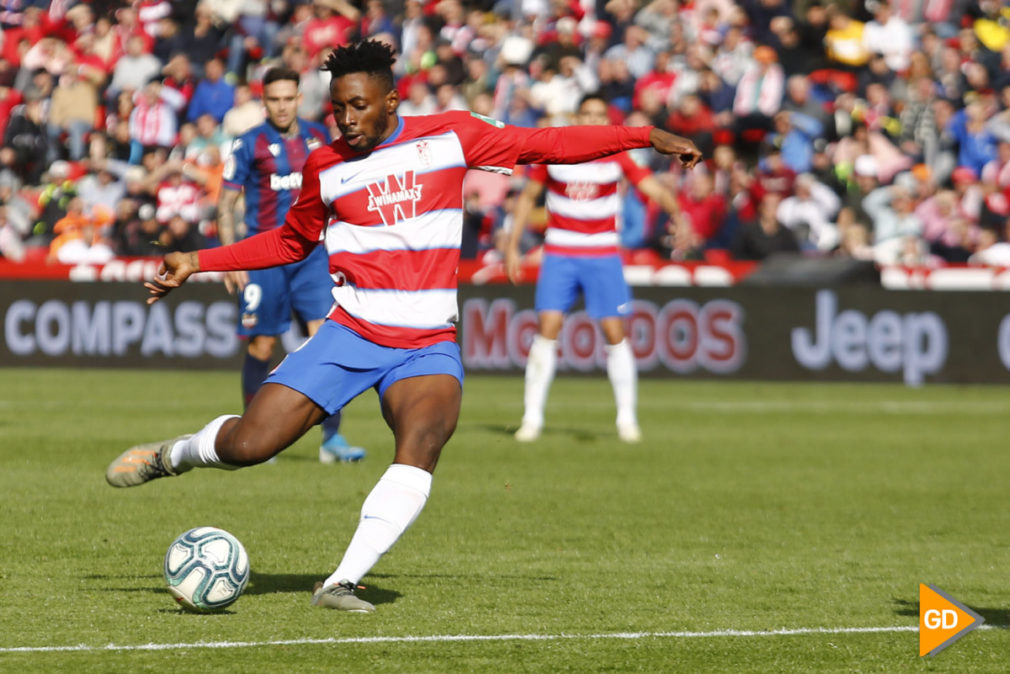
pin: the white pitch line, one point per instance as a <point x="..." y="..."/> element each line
<point x="471" y="637"/>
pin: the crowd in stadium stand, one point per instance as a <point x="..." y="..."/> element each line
<point x="876" y="130"/>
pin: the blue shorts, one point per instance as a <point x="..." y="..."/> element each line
<point x="599" y="279"/>
<point x="267" y="301"/>
<point x="337" y="364"/>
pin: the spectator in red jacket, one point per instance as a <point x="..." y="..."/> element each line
<point x="692" y="118"/>
<point x="703" y="207"/>
<point x="327" y="28"/>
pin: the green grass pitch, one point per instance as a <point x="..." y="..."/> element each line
<point x="749" y="511"/>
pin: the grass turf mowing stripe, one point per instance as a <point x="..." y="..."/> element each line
<point x="799" y="631"/>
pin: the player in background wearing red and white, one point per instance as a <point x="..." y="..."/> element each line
<point x="581" y="254"/>
<point x="387" y="201"/>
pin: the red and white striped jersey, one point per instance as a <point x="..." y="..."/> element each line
<point x="392" y="218"/>
<point x="583" y="204"/>
<point x="396" y="222"/>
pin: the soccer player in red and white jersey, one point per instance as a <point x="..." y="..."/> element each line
<point x="581" y="255"/>
<point x="386" y="200"/>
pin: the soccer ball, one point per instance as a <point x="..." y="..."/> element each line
<point x="206" y="569"/>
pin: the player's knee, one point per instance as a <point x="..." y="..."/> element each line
<point x="427" y="439"/>
<point x="241" y="448"/>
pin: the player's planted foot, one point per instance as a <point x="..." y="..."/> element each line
<point x="335" y="448"/>
<point x="143" y="463"/>
<point x="528" y="432"/>
<point x="629" y="432"/>
<point x="340" y="597"/>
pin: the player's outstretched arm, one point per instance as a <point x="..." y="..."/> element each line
<point x="273" y="248"/>
<point x="667" y="143"/>
<point x="175" y="268"/>
<point x="578" y="144"/>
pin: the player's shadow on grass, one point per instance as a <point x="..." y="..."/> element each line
<point x="508" y="579"/>
<point x="995" y="617"/>
<point x="157" y="582"/>
<point x="271" y="583"/>
<point x="178" y="610"/>
<point x="549" y="432"/>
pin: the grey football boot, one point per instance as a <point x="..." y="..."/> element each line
<point x="340" y="597"/>
<point x="143" y="463"/>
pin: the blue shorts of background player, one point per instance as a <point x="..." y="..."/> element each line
<point x="267" y="301"/>
<point x="337" y="364"/>
<point x="599" y="279"/>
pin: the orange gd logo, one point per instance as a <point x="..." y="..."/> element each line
<point x="942" y="620"/>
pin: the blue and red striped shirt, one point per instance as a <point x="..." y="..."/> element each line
<point x="268" y="167"/>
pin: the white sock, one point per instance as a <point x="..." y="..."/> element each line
<point x="624" y="378"/>
<point x="392" y="506"/>
<point x="540" y="367"/>
<point x="199" y="451"/>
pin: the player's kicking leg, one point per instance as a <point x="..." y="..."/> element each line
<point x="143" y="463"/>
<point x="276" y="417"/>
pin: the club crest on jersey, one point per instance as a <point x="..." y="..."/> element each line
<point x="395" y="197"/>
<point x="275" y="149"/>
<point x="424" y="153"/>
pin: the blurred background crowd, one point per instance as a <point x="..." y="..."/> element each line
<point x="874" y="130"/>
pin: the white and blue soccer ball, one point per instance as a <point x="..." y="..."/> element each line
<point x="206" y="569"/>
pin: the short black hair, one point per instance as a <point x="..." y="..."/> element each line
<point x="368" y="56"/>
<point x="593" y="96"/>
<point x="279" y="73"/>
